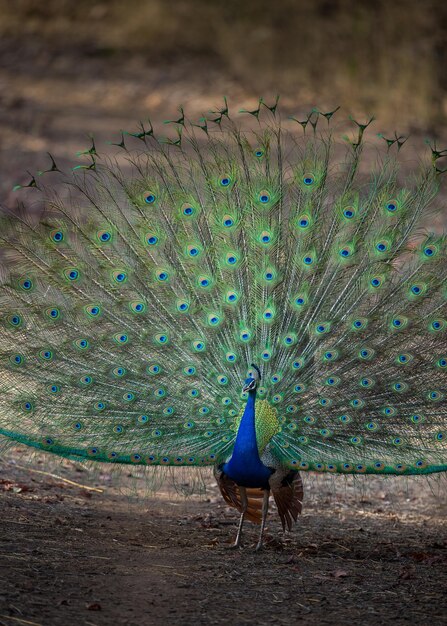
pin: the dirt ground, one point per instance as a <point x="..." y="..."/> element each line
<point x="366" y="552"/>
<point x="363" y="552"/>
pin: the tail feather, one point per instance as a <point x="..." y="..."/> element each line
<point x="133" y="306"/>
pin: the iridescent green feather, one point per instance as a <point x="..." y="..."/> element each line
<point x="131" y="311"/>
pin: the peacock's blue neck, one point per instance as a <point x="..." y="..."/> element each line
<point x="245" y="466"/>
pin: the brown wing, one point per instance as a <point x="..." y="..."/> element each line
<point x="231" y="494"/>
<point x="289" y="498"/>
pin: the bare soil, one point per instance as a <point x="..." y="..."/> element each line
<point x="363" y="552"/>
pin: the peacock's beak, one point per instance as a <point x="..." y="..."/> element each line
<point x="249" y="386"/>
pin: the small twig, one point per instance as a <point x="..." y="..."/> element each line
<point x="15" y="556"/>
<point x="65" y="480"/>
<point x="22" y="621"/>
<point x="171" y="567"/>
<point x="94" y="556"/>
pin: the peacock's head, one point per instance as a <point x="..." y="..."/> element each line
<point x="254" y="376"/>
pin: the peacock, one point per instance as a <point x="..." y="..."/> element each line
<point x="256" y="295"/>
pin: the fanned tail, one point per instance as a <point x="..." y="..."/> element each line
<point x="133" y="306"/>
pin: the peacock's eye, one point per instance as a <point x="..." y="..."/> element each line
<point x="57" y="236"/>
<point x="391" y="206"/>
<point x="149" y="198"/>
<point x="349" y="212"/>
<point x="26" y="284"/>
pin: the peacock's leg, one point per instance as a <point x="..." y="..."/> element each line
<point x="265" y="509"/>
<point x="244" y="504"/>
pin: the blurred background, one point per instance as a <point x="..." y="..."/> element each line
<point x="68" y="68"/>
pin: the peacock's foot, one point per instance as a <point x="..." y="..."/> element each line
<point x="259" y="547"/>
